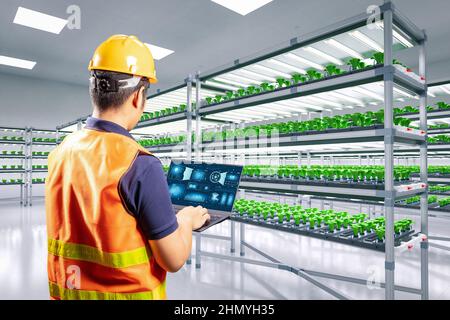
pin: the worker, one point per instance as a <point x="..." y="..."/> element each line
<point x="112" y="230"/>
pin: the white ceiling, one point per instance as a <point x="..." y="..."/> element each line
<point x="203" y="34"/>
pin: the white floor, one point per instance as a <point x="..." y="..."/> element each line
<point x="23" y="264"/>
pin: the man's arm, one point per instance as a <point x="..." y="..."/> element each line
<point x="172" y="251"/>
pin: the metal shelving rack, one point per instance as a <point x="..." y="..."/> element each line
<point x="23" y="184"/>
<point x="390" y="76"/>
<point x="386" y="78"/>
<point x="35" y="146"/>
<point x="27" y="157"/>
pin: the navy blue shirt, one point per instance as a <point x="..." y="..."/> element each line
<point x="143" y="189"/>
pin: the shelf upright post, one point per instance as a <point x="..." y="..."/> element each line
<point x="189" y="119"/>
<point x="189" y="113"/>
<point x="198" y="123"/>
<point x="30" y="178"/>
<point x="389" y="198"/>
<point x="28" y="155"/>
<point x="423" y="174"/>
<point x="24" y="166"/>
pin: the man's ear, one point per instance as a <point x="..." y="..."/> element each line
<point x="137" y="98"/>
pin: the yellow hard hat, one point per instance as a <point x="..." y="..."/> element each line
<point x="125" y="54"/>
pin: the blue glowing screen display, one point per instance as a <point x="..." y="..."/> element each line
<point x="212" y="186"/>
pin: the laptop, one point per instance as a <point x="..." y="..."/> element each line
<point x="212" y="186"/>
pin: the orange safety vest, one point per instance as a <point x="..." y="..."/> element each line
<point x="95" y="247"/>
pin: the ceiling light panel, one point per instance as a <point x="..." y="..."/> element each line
<point x="242" y="7"/>
<point x="40" y="21"/>
<point x="17" y="63"/>
<point x="159" y="53"/>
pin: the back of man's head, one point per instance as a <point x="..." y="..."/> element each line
<point x="110" y="90"/>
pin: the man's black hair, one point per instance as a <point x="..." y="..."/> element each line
<point x="107" y="92"/>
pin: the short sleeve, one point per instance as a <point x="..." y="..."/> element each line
<point x="145" y="194"/>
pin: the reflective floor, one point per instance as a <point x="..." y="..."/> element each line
<point x="23" y="264"/>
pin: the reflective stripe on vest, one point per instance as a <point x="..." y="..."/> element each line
<point x="56" y="291"/>
<point x="92" y="254"/>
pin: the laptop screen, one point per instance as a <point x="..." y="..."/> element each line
<point x="213" y="186"/>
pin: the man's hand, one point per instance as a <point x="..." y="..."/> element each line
<point x="194" y="216"/>
<point x="172" y="251"/>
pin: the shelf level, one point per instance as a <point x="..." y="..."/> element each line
<point x="161" y="120"/>
<point x="11" y="142"/>
<point x="351" y="191"/>
<point x="12" y="171"/>
<point x="346" y="80"/>
<point x="434" y="114"/>
<point x="335" y="136"/>
<point x="11" y="156"/>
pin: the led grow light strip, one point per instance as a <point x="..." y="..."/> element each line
<point x="169" y="100"/>
<point x="251" y="112"/>
<point x="226" y="117"/>
<point x="274" y="109"/>
<point x="304" y="61"/>
<point x="324" y="55"/>
<point x="324" y="101"/>
<point x="445" y="90"/>
<point x="404" y="93"/>
<point x="307" y="105"/>
<point x="273" y="71"/>
<point x="240" y="78"/>
<point x="396" y="35"/>
<point x="340" y="46"/>
<point x="288" y="107"/>
<point x="287" y="66"/>
<point x="368" y="93"/>
<point x="366" y="40"/>
<point x="241" y="115"/>
<point x="221" y="85"/>
<point x="259" y="76"/>
<point x="346" y="97"/>
<point x="226" y="81"/>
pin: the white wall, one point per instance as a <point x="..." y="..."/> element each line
<point x="40" y="103"/>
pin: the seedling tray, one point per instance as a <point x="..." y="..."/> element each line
<point x="339" y="184"/>
<point x="433" y="206"/>
<point x="368" y="241"/>
<point x="299" y="85"/>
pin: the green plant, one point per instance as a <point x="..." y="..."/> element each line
<point x="442" y="105"/>
<point x="444" y="202"/>
<point x="298" y="78"/>
<point x="378" y="57"/>
<point x="313" y="75"/>
<point x="331" y="70"/>
<point x="356" y="64"/>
